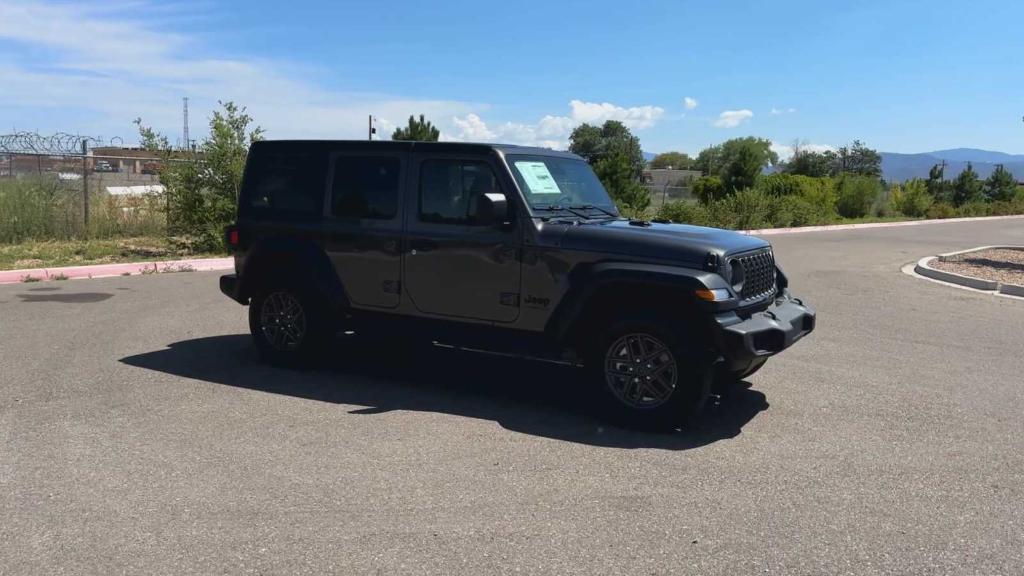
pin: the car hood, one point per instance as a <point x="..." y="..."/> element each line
<point x="677" y="242"/>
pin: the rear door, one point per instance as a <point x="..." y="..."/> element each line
<point x="453" y="266"/>
<point x="364" y="224"/>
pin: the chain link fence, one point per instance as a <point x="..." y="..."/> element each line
<point x="68" y="186"/>
<point x="661" y="195"/>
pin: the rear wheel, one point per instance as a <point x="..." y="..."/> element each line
<point x="289" y="326"/>
<point x="648" y="375"/>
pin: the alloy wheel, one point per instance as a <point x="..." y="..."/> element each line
<point x="641" y="370"/>
<point x="283" y="321"/>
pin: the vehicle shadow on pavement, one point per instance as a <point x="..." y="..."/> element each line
<point x="529" y="397"/>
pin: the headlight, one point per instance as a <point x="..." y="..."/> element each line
<point x="736" y="276"/>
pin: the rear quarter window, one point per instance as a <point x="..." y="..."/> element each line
<point x="284" y="183"/>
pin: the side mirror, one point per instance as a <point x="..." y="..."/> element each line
<point x="486" y="209"/>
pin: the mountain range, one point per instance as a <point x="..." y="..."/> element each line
<point x="899" y="167"/>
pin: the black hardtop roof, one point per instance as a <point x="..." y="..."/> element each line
<point x="449" y="147"/>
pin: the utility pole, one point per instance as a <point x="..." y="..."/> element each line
<point x="184" y="132"/>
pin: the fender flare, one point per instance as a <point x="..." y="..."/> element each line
<point x="587" y="283"/>
<point x="294" y="260"/>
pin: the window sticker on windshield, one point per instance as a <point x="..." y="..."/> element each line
<point x="538" y="177"/>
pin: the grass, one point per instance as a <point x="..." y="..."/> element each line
<point x="54" y="253"/>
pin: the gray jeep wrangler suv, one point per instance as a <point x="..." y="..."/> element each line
<point x="501" y="248"/>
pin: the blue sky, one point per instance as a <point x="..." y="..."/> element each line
<point x="903" y="77"/>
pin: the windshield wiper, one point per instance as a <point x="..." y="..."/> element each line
<point x="559" y="208"/>
<point x="592" y="207"/>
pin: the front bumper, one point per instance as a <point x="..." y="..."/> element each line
<point x="764" y="333"/>
<point x="229" y="286"/>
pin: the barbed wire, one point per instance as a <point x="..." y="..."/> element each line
<point x="60" y="143"/>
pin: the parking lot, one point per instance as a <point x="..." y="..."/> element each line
<point x="139" y="434"/>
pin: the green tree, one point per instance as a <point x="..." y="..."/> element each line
<point x="707" y="189"/>
<point x="967" y="187"/>
<point x="937" y="184"/>
<point x="418" y="130"/>
<point x="1000" y="185"/>
<point x="612" y="138"/>
<point x="709" y="160"/>
<point x="674" y="160"/>
<point x="810" y="163"/>
<point x="618" y="175"/>
<point x="150" y="139"/>
<point x="743" y="160"/>
<point x="202" y="187"/>
<point x="738" y="162"/>
<point x="859" y="159"/>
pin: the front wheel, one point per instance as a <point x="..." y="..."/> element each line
<point x="289" y="327"/>
<point x="649" y="375"/>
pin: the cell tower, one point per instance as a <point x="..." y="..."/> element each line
<point x="185" y="142"/>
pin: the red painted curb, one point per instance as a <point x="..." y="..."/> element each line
<point x="107" y="270"/>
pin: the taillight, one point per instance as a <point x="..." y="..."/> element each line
<point x="232" y="236"/>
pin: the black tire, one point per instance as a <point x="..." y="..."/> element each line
<point x="290" y="327"/>
<point x="665" y="390"/>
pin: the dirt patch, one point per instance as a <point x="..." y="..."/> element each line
<point x="1004" y="265"/>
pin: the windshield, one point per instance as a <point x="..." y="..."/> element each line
<point x="549" y="181"/>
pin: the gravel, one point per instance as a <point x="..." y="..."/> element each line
<point x="1004" y="265"/>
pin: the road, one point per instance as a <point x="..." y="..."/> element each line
<point x="139" y="434"/>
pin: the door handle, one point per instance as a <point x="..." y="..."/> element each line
<point x="422" y="245"/>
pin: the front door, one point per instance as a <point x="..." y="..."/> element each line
<point x="453" y="266"/>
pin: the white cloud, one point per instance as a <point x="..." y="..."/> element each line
<point x="552" y="131"/>
<point x="636" y="118"/>
<point x="733" y="118"/>
<point x="785" y="152"/>
<point x="99" y="68"/>
<point x="690" y="103"/>
<point x="96" y="67"/>
<point x="473" y="128"/>
<point x="779" y="112"/>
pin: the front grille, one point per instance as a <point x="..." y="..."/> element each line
<point x="758" y="275"/>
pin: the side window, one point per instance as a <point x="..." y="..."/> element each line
<point x="365" y="187"/>
<point x="447" y="189"/>
<point x="286" y="183"/>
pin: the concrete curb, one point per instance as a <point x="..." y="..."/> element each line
<point x="924" y="269"/>
<point x="1012" y="290"/>
<point x="107" y="270"/>
<point x="835" y="227"/>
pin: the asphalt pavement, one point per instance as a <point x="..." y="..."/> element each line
<point x="139" y="434"/>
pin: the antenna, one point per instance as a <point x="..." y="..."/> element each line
<point x="185" y="143"/>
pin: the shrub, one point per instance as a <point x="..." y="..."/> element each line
<point x="685" y="212"/>
<point x="975" y="208"/>
<point x="856" y="195"/>
<point x="941" y="210"/>
<point x="798" y="211"/>
<point x="1007" y="208"/>
<point x="913" y="199"/>
<point x="707" y="189"/>
<point x="748" y="209"/>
